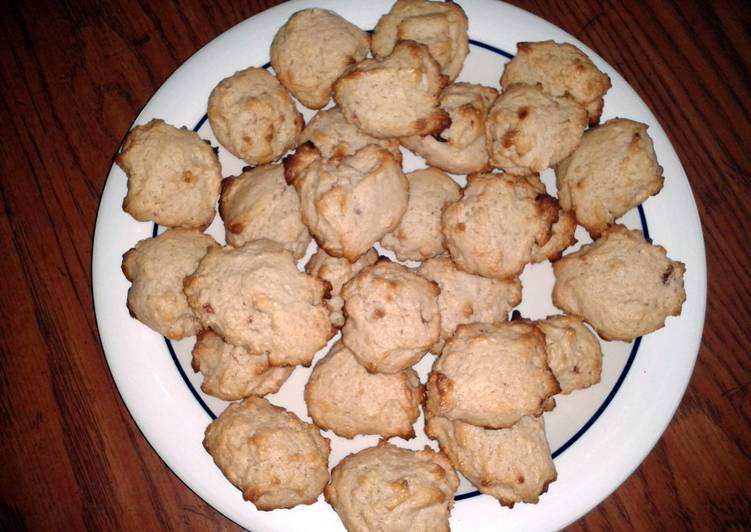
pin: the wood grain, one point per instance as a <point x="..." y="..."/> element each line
<point x="73" y="76"/>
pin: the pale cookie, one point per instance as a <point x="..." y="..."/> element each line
<point x="574" y="353"/>
<point x="418" y="236"/>
<point x="348" y="204"/>
<point x="312" y="50"/>
<point x="275" y="459"/>
<point x="441" y="26"/>
<point x="392" y="317"/>
<point x="390" y="489"/>
<point x="499" y="224"/>
<point x="613" y="170"/>
<point x="492" y="375"/>
<point x="528" y="130"/>
<point x="621" y="285"/>
<point x="231" y="372"/>
<point x="460" y="148"/>
<point x="259" y="204"/>
<point x="513" y="465"/>
<point x="344" y="397"/>
<point x="561" y="69"/>
<point x="253" y="116"/>
<point x="157" y="267"/>
<point x="561" y="237"/>
<point x="395" y="96"/>
<point x="336" y="138"/>
<point x="467" y="298"/>
<point x="173" y="176"/>
<point x="255" y="297"/>
<point x="336" y="271"/>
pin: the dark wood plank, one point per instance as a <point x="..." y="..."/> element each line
<point x="74" y="76"/>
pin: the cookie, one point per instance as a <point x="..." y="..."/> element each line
<point x="560" y="69"/>
<point x="528" y="130"/>
<point x="255" y="297"/>
<point x="621" y="285"/>
<point x="259" y="204"/>
<point x="499" y="224"/>
<point x="344" y="397"/>
<point x="275" y="459"/>
<point x="231" y="372"/>
<point x="418" y="236"/>
<point x="574" y="353"/>
<point x="561" y="237"/>
<point x="613" y="170"/>
<point x="336" y="271"/>
<point x="513" y="464"/>
<point x="390" y="489"/>
<point x="348" y="204"/>
<point x="173" y="176"/>
<point x="336" y="138"/>
<point x="491" y="375"/>
<point x="392" y="317"/>
<point x="460" y="148"/>
<point x="467" y="298"/>
<point x="157" y="267"/>
<point x="312" y="50"/>
<point x="394" y="96"/>
<point x="441" y="26"/>
<point x="253" y="116"/>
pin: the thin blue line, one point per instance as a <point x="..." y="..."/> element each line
<point x="185" y="378"/>
<point x="491" y="48"/>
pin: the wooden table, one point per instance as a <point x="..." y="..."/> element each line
<point x="75" y="74"/>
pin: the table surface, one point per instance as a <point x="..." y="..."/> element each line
<point x="74" y="76"/>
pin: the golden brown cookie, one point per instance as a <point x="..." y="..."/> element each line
<point x="513" y="464"/>
<point x="461" y="147"/>
<point x="344" y="397"/>
<point x="561" y="237"/>
<point x="491" y="375"/>
<point x="613" y="170"/>
<point x="467" y="298"/>
<point x="441" y="26"/>
<point x="395" y="96"/>
<point x="389" y="489"/>
<point x="528" y="130"/>
<point x="231" y="372"/>
<point x="418" y="236"/>
<point x="621" y="285"/>
<point x="392" y="317"/>
<point x="348" y="204"/>
<point x="255" y="297"/>
<point x="253" y="116"/>
<point x="560" y="69"/>
<point x="275" y="459"/>
<point x="173" y="176"/>
<point x="157" y="267"/>
<point x="574" y="353"/>
<point x="499" y="224"/>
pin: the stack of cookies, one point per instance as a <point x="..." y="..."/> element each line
<point x="257" y="316"/>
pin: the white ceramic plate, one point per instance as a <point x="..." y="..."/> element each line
<point x="598" y="436"/>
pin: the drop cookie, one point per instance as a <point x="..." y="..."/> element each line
<point x="276" y="460"/>
<point x="255" y="297"/>
<point x="621" y="285"/>
<point x="528" y="130"/>
<point x="613" y="170"/>
<point x="561" y="68"/>
<point x="392" y="317"/>
<point x="174" y="176"/>
<point x="561" y="237"/>
<point x="157" y="267"/>
<point x="418" y="235"/>
<point x="259" y="204"/>
<point x="461" y="147"/>
<point x="574" y="353"/>
<point x="395" y="96"/>
<point x="253" y="116"/>
<point x="390" y="489"/>
<point x="312" y="49"/>
<point x="491" y="375"/>
<point x="344" y="397"/>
